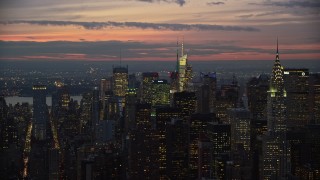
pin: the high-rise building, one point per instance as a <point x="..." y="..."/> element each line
<point x="296" y="82"/>
<point x="177" y="149"/>
<point x="160" y="95"/>
<point x="85" y="113"/>
<point x="275" y="159"/>
<point x="143" y="146"/>
<point x="257" y="93"/>
<point x="227" y="97"/>
<point x="220" y="136"/>
<point x="203" y="98"/>
<point x="95" y="114"/>
<point x="146" y="88"/>
<point x="164" y="116"/>
<point x="210" y="79"/>
<point x="198" y="127"/>
<point x="240" y="119"/>
<point x="120" y="81"/>
<point x="105" y="86"/>
<point x="315" y="98"/>
<point x="186" y="101"/>
<point x="40" y="112"/>
<point x="184" y="71"/>
<point x="204" y="157"/>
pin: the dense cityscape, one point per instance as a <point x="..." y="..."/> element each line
<point x="174" y="124"/>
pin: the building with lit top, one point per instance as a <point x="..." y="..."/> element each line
<point x="184" y="71"/>
<point x="275" y="165"/>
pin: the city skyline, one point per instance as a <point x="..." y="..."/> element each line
<point x="149" y="29"/>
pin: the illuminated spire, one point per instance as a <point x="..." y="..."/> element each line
<point x="277" y="72"/>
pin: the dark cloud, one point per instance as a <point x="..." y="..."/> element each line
<point x="215" y="3"/>
<point x="140" y="25"/>
<point x="180" y="2"/>
<point x="246" y="16"/>
<point x="130" y="49"/>
<point x="292" y="3"/>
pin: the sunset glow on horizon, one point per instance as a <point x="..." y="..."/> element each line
<point x="149" y="30"/>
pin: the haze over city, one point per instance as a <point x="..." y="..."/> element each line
<point x="96" y="30"/>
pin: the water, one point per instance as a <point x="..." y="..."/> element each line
<point x="16" y="99"/>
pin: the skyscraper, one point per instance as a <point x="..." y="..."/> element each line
<point x="210" y="79"/>
<point x="257" y="93"/>
<point x="163" y="116"/>
<point x="315" y="98"/>
<point x="177" y="149"/>
<point x="160" y="93"/>
<point x="147" y="80"/>
<point x="275" y="163"/>
<point x="95" y="111"/>
<point x="184" y="71"/>
<point x="240" y="119"/>
<point x="120" y="81"/>
<point x="186" y="101"/>
<point x="296" y="82"/>
<point x="40" y="112"/>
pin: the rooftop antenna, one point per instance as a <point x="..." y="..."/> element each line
<point x="182" y="46"/>
<point x="177" y="64"/>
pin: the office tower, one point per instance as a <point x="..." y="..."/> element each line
<point x="204" y="158"/>
<point x="240" y="119"/>
<point x="313" y="147"/>
<point x="95" y="114"/>
<point x="130" y="109"/>
<point x="257" y="93"/>
<point x="143" y="146"/>
<point x="258" y="130"/>
<point x="85" y="113"/>
<point x="197" y="127"/>
<point x="296" y="83"/>
<point x="296" y="138"/>
<point x="184" y="71"/>
<point x="203" y="99"/>
<point x="220" y="136"/>
<point x="54" y="168"/>
<point x="186" y="101"/>
<point x="40" y="112"/>
<point x="147" y="80"/>
<point x="160" y="95"/>
<point x="275" y="163"/>
<point x="105" y="86"/>
<point x="163" y="116"/>
<point x="315" y="98"/>
<point x="4" y="136"/>
<point x="227" y="97"/>
<point x="65" y="97"/>
<point x="177" y="149"/>
<point x="120" y="81"/>
<point x="210" y="79"/>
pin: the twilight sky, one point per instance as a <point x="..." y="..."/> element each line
<point x="148" y="29"/>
